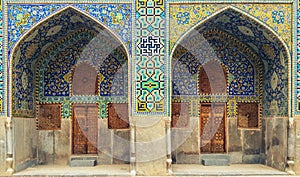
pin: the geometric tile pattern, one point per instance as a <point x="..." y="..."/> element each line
<point x="242" y="84"/>
<point x="54" y="69"/>
<point x="115" y="16"/>
<point x="61" y="74"/>
<point x="2" y="73"/>
<point x="184" y="73"/>
<point x="277" y="16"/>
<point x="298" y="61"/>
<point x="150" y="57"/>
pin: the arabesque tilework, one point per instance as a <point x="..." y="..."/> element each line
<point x="50" y="53"/>
<point x="276" y="16"/>
<point x="232" y="30"/>
<point x="146" y="42"/>
<point x="24" y="16"/>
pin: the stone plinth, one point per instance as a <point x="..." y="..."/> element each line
<point x="150" y="146"/>
<point x="2" y="146"/>
<point x="26" y="142"/>
<point x="297" y="155"/>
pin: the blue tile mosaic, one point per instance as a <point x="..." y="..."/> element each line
<point x="50" y="53"/>
<point x="22" y="17"/>
<point x="2" y="72"/>
<point x="259" y="40"/>
<point x="150" y="59"/>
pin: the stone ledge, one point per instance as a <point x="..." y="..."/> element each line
<point x="215" y="160"/>
<point x="83" y="163"/>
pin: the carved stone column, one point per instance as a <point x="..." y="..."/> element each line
<point x="9" y="146"/>
<point x="168" y="138"/>
<point x="291" y="147"/>
<point x="132" y="150"/>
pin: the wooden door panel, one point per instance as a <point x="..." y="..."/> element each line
<point x="205" y="128"/>
<point x="92" y="129"/>
<point x="85" y="129"/>
<point x="79" y="138"/>
<point x="212" y="128"/>
<point x="218" y="141"/>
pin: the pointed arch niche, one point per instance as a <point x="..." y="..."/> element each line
<point x="256" y="62"/>
<point x="43" y="70"/>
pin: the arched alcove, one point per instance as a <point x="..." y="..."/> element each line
<point x="47" y="63"/>
<point x="257" y="79"/>
<point x="67" y="27"/>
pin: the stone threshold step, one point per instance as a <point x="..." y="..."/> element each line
<point x="83" y="163"/>
<point x="215" y="160"/>
<point x="83" y="157"/>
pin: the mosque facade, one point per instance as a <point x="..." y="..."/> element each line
<point x="149" y="83"/>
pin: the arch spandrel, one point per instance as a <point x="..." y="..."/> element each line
<point x="186" y="16"/>
<point x="24" y="17"/>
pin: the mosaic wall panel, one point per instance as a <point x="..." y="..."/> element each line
<point x="261" y="43"/>
<point x="56" y="66"/>
<point x="116" y="16"/>
<point x="298" y="61"/>
<point x="276" y="16"/>
<point x="150" y="55"/>
<point x="237" y="57"/>
<point x="150" y="58"/>
<point x="22" y="17"/>
<point x="2" y="72"/>
<point x="51" y="52"/>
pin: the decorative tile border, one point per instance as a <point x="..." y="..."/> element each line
<point x="150" y="58"/>
<point x="297" y="60"/>
<point x="231" y="102"/>
<point x="2" y="72"/>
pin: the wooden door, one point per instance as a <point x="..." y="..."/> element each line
<point x="85" y="129"/>
<point x="212" y="128"/>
